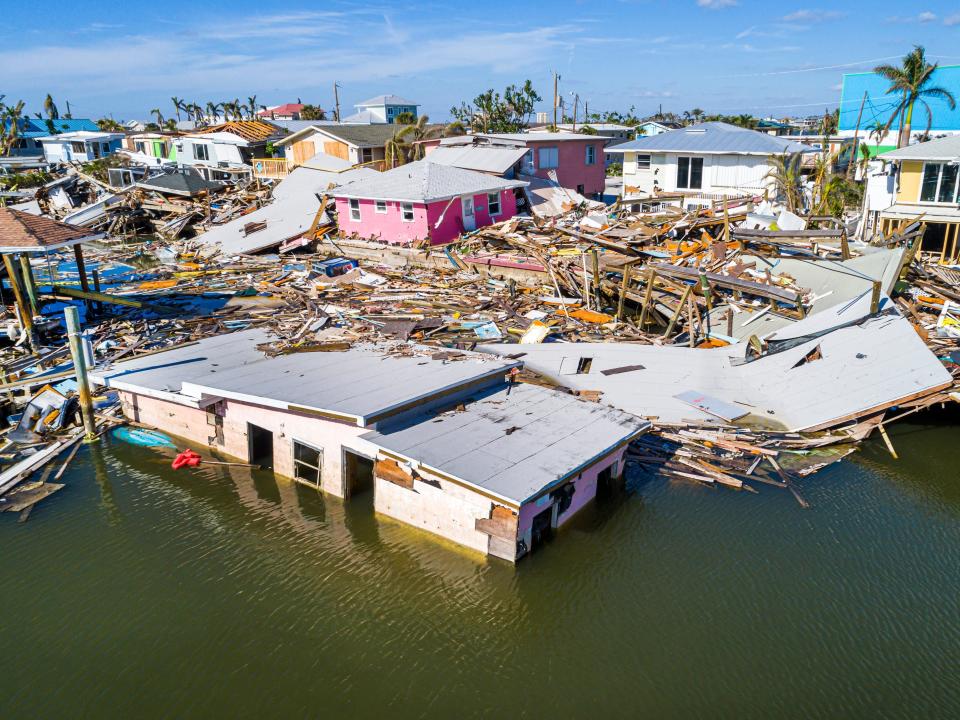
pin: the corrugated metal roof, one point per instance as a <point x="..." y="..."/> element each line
<point x="512" y="442"/>
<point x="947" y="148"/>
<point x="714" y="138"/>
<point x="537" y="136"/>
<point x="423" y="181"/>
<point x="482" y="158"/>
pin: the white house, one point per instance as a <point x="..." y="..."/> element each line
<point x="382" y="109"/>
<point x="702" y="162"/>
<point x="221" y="152"/>
<point x="80" y="146"/>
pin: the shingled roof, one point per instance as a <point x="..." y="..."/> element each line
<point x="23" y="232"/>
<point x="249" y="130"/>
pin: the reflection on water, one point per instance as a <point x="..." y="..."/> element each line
<point x="140" y="591"/>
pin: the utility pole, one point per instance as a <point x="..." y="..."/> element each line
<point x="586" y="111"/>
<point x="69" y="114"/>
<point x="556" y="99"/>
<point x="856" y="135"/>
<point x="576" y="101"/>
<point x="336" y="101"/>
<point x="80" y="367"/>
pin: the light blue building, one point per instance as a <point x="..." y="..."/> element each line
<point x="880" y="105"/>
<point x="80" y="146"/>
<point x="32" y="129"/>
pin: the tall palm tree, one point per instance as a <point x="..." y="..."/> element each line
<point x="109" y="125"/>
<point x="177" y="105"/>
<point x="252" y="106"/>
<point x="50" y="108"/>
<point x="784" y="175"/>
<point x="913" y="81"/>
<point x="159" y="115"/>
<point x="12" y="116"/>
<point x="877" y="132"/>
<point x="697" y="114"/>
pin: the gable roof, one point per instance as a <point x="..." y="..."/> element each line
<point x="713" y="138"/>
<point x="23" y="232"/>
<point x="386" y="100"/>
<point x="947" y="148"/>
<point x="423" y="182"/>
<point x="360" y="135"/>
<point x="249" y="130"/>
<point x="285" y="109"/>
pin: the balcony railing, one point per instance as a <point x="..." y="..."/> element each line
<point x="270" y="168"/>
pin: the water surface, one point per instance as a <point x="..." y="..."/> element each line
<point x="138" y="591"/>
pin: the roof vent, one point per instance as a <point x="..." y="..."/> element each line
<point x="696" y="131"/>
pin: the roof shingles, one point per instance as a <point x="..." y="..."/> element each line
<point x="26" y="232"/>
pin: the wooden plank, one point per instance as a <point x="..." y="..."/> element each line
<point x="753" y="288"/>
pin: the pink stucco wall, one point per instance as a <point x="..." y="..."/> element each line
<point x="585" y="490"/>
<point x="390" y="226"/>
<point x="572" y="169"/>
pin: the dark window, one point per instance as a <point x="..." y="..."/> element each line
<point x="689" y="173"/>
<point x="78" y="147"/>
<point x="643" y="162"/>
<point x="928" y="189"/>
<point x="948" y="184"/>
<point x="493" y="203"/>
<point x="201" y="152"/>
<point x="307" y="463"/>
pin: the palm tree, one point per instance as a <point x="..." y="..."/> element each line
<point x="50" y="108"/>
<point x="252" y="106"/>
<point x="159" y="115"/>
<point x="877" y="132"/>
<point x="12" y="115"/>
<point x="454" y="129"/>
<point x="785" y="177"/>
<point x="177" y="105"/>
<point x="109" y="125"/>
<point x="697" y="114"/>
<point x="394" y="153"/>
<point x="170" y="125"/>
<point x="912" y="80"/>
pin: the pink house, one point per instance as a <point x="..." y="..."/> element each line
<point x="574" y="160"/>
<point x="423" y="201"/>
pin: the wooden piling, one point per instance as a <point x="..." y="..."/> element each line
<point x="80" y="367"/>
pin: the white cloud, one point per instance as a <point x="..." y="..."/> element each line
<point x="924" y="17"/>
<point x="952" y="20"/>
<point x="716" y="4"/>
<point x="812" y="15"/>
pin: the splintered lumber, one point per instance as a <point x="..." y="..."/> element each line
<point x="99" y="297"/>
<point x="27" y="497"/>
<point x="774" y="293"/>
<point x="14" y="474"/>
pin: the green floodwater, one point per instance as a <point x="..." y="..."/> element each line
<point x="139" y="592"/>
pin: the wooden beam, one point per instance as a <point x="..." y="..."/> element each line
<point x="99" y="297"/>
<point x="26" y="316"/>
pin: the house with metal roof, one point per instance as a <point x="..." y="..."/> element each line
<point x="702" y="162"/>
<point x="382" y="109"/>
<point x="226" y="151"/>
<point x="31" y="130"/>
<point x="423" y="202"/>
<point x="444" y="441"/>
<point x="920" y="179"/>
<point x="80" y="146"/>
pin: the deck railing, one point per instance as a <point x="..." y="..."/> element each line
<point x="270" y="168"/>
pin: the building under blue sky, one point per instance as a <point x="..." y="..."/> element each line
<point x="880" y="105"/>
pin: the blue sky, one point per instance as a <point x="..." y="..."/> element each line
<point x="781" y="58"/>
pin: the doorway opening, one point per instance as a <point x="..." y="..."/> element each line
<point x="260" y="446"/>
<point x="357" y="474"/>
<point x="542" y="529"/>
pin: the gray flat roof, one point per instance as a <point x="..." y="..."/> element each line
<point x="359" y="384"/>
<point x="514" y="441"/>
<point x="715" y="138"/>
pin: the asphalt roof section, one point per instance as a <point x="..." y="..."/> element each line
<point x="482" y="158"/>
<point x="21" y="231"/>
<point x="357" y="384"/>
<point x="946" y="148"/>
<point x="713" y="138"/>
<point x="184" y="182"/>
<point x="423" y="182"/>
<point x="386" y="100"/>
<point x="513" y="441"/>
<point x="249" y="130"/>
<point x="363" y="135"/>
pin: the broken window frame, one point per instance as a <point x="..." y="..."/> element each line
<point x="78" y="147"/>
<point x="354" y="209"/>
<point x="493" y="201"/>
<point x="201" y="152"/>
<point x="312" y="474"/>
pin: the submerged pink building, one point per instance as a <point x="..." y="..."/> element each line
<point x="424" y="201"/>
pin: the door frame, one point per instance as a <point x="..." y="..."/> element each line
<point x="344" y="485"/>
<point x="464" y="202"/>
